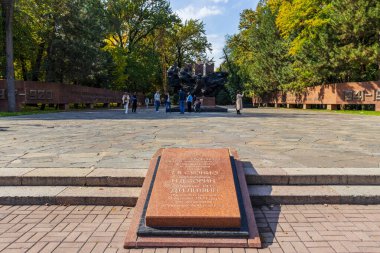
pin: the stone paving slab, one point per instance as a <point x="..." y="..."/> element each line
<point x="267" y="138"/>
<point x="59" y="172"/>
<point x="37" y="195"/>
<point x="127" y="196"/>
<point x="135" y="177"/>
<point x="103" y="172"/>
<point x="286" y="228"/>
<point x="14" y="172"/>
<point x="314" y="171"/>
<point x="329" y="194"/>
<point x="72" y="177"/>
<point x="313" y="176"/>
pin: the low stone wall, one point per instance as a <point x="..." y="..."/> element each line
<point x="31" y="93"/>
<point x="208" y="101"/>
<point x="331" y="95"/>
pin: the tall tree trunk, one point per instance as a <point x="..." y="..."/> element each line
<point x="8" y="6"/>
<point x="37" y="65"/>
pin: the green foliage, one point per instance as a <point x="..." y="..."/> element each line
<point x="189" y="42"/>
<point x="356" y="39"/>
<point x="223" y="98"/>
<point x="258" y="54"/>
<point x="290" y="45"/>
<point x="119" y="44"/>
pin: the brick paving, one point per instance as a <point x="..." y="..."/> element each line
<point x="303" y="228"/>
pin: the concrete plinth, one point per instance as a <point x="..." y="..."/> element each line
<point x="291" y="106"/>
<point x="63" y="106"/>
<point x="305" y="106"/>
<point x="332" y="107"/>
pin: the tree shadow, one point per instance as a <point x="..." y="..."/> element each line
<point x="266" y="215"/>
<point x="3" y="129"/>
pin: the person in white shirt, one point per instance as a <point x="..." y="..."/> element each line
<point x="157" y="100"/>
<point x="239" y="102"/>
<point x="147" y="102"/>
<point x="126" y="99"/>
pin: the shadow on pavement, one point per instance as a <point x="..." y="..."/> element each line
<point x="267" y="216"/>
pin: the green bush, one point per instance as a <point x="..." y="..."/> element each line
<point x="223" y="98"/>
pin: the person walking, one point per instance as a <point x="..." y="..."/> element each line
<point x="197" y="105"/>
<point x="147" y="102"/>
<point x="189" y="101"/>
<point x="134" y="102"/>
<point x="182" y="98"/>
<point x="168" y="103"/>
<point x="126" y="99"/>
<point x="157" y="100"/>
<point x="239" y="102"/>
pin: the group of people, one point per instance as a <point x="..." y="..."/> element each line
<point x="128" y="99"/>
<point x="189" y="100"/>
<point x="157" y="101"/>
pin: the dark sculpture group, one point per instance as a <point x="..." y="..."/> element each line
<point x="200" y="85"/>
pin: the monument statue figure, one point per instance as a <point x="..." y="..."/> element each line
<point x="201" y="85"/>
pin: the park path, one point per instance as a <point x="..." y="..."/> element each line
<point x="301" y="228"/>
<point x="267" y="138"/>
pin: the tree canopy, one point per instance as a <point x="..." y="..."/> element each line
<point x="293" y="44"/>
<point x="118" y="44"/>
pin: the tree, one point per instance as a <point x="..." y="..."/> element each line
<point x="258" y="52"/>
<point x="189" y="42"/>
<point x="119" y="44"/>
<point x="130" y="23"/>
<point x="357" y="39"/>
<point x="8" y="8"/>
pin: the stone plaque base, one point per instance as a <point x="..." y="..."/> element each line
<point x="208" y="101"/>
<point x="133" y="240"/>
<point x="194" y="188"/>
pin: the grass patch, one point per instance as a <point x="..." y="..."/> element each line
<point x="355" y="112"/>
<point x="28" y="111"/>
<point x="370" y="113"/>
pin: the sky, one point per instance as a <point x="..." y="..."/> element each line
<point x="221" y="18"/>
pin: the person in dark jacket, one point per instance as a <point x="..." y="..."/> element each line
<point x="134" y="102"/>
<point x="168" y="102"/>
<point x="189" y="101"/>
<point x="182" y="98"/>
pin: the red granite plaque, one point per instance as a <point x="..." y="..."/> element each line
<point x="194" y="188"/>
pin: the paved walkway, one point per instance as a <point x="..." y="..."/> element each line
<point x="267" y="138"/>
<point x="69" y="229"/>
